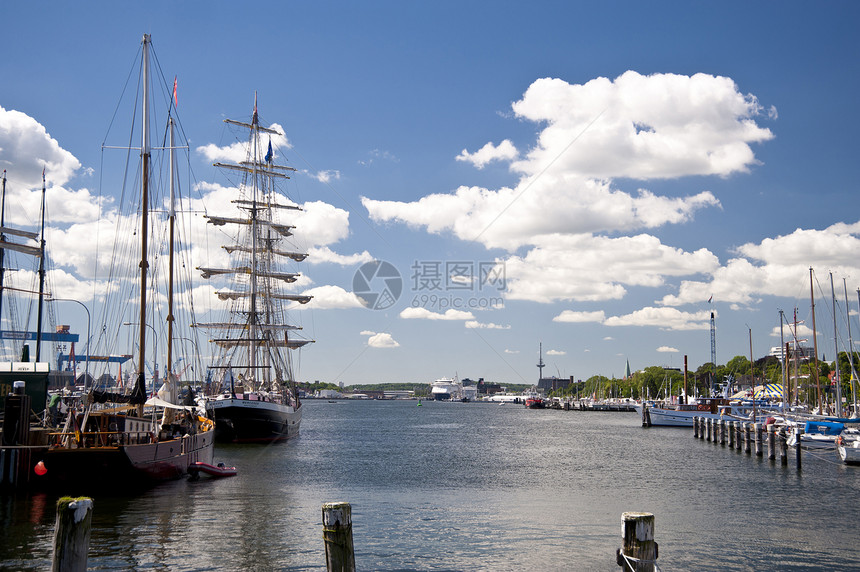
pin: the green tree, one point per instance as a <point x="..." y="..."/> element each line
<point x="738" y="365"/>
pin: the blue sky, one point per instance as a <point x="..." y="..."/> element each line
<point x="620" y="161"/>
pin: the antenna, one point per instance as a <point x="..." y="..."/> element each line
<point x="540" y="364"/>
<point x="713" y="343"/>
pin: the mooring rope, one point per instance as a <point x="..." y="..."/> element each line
<point x="633" y="561"/>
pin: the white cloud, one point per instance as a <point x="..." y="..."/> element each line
<point x="489" y="152"/>
<point x="489" y="326"/>
<point x="26" y="148"/>
<point x="511" y="218"/>
<point x="658" y="126"/>
<point x="320" y="223"/>
<point x="237" y="151"/>
<point x="663" y="318"/>
<point x="330" y="298"/>
<point x="642" y="126"/>
<point x="556" y="353"/>
<point x="803" y="332"/>
<point x="590" y="268"/>
<point x="512" y="351"/>
<point x="567" y="210"/>
<point x="776" y="266"/>
<point x="382" y="340"/>
<point x="327" y="176"/>
<point x="425" y="314"/>
<point x="379" y="154"/>
<point x="323" y="254"/>
<point x="580" y="317"/>
<point x="667" y="349"/>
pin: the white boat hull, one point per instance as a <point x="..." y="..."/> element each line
<point x="849" y="452"/>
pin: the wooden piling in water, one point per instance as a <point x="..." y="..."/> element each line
<point x="695" y="427"/>
<point x="730" y="427"/>
<point x="799" y="434"/>
<point x="758" y="443"/>
<point x="747" y="437"/>
<point x="72" y="534"/>
<point x="710" y="423"/>
<point x="723" y="432"/>
<point x="771" y="445"/>
<point x="638" y="552"/>
<point x="337" y="533"/>
<point x="783" y="447"/>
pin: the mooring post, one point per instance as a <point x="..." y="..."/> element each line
<point x="723" y="432"/>
<point x="695" y="427"/>
<point x="710" y="424"/>
<point x="799" y="433"/>
<point x="638" y="552"/>
<point x="337" y="533"/>
<point x="771" y="445"/>
<point x="747" y="431"/>
<point x="72" y="534"/>
<point x="732" y="434"/>
<point x="783" y="447"/>
<point x="758" y="443"/>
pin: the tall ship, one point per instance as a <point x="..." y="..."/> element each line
<point x="254" y="398"/>
<point x="117" y="437"/>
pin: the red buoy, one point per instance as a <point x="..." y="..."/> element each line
<point x="40" y="468"/>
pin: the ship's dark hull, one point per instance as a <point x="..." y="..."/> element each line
<point x="115" y="467"/>
<point x="246" y="421"/>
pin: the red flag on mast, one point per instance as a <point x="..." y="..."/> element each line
<point x="175" y="97"/>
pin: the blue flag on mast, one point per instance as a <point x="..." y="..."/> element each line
<point x="269" y="153"/>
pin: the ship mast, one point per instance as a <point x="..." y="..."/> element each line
<point x="252" y="316"/>
<point x="837" y="377"/>
<point x="257" y="337"/>
<point x="145" y="153"/>
<point x="2" y="239"/>
<point x="815" y="343"/>
<point x="171" y="217"/>
<point x="41" y="301"/>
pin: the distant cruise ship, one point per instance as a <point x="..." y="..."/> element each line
<point x="446" y="389"/>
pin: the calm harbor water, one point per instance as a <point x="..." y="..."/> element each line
<point x="470" y="486"/>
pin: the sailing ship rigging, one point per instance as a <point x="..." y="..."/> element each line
<point x="37" y="252"/>
<point x="128" y="442"/>
<point x="255" y="399"/>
